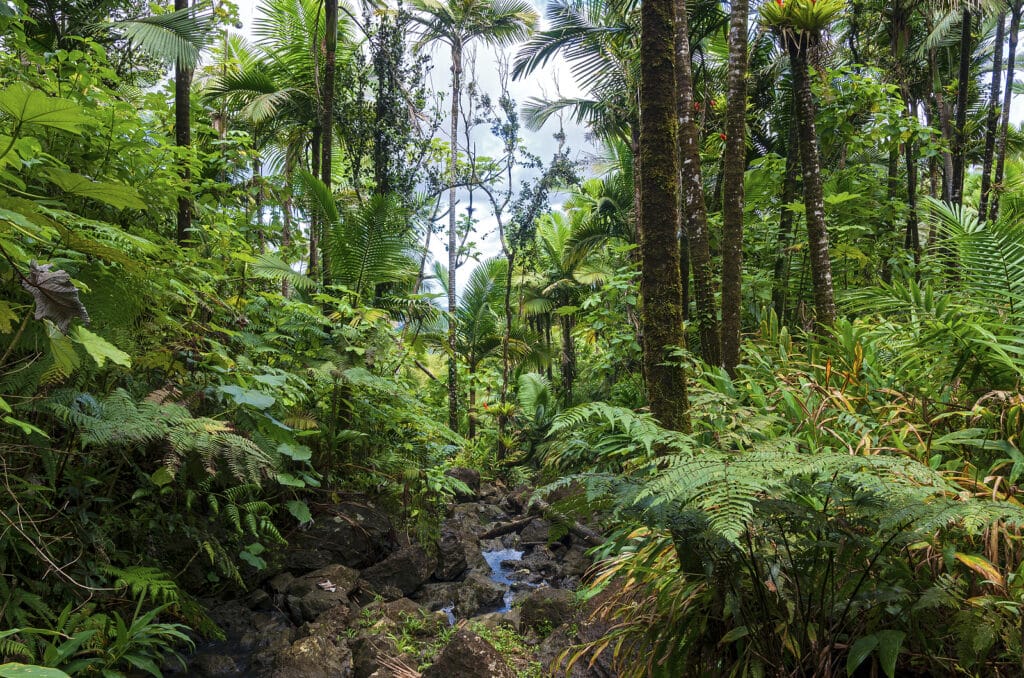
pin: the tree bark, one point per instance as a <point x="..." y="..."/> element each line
<point x="992" y="120"/>
<point x="568" y="364"/>
<point x="790" y="184"/>
<point x="327" y="113"/>
<point x="694" y="209"/>
<point x="314" y="221"/>
<point x="453" y="175"/>
<point x="1011" y="57"/>
<point x="659" y="247"/>
<point x="183" y="138"/>
<point x="960" y="138"/>
<point x="912" y="240"/>
<point x="734" y="165"/>
<point x="814" y="204"/>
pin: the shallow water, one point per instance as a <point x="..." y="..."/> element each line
<point x="499" y="571"/>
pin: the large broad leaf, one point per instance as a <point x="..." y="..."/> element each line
<point x="56" y="296"/>
<point x="16" y="670"/>
<point x="248" y="396"/>
<point x="99" y="348"/>
<point x="120" y="196"/>
<point x="31" y="107"/>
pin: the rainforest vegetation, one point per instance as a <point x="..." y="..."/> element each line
<point x="763" y="331"/>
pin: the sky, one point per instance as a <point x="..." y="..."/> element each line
<point x="551" y="81"/>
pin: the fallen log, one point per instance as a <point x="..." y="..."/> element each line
<point x="541" y="507"/>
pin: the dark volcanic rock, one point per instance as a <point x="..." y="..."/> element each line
<point x="477" y="593"/>
<point x="314" y="593"/>
<point x="353" y="533"/>
<point x="452" y="560"/>
<point x="468" y="655"/>
<point x="314" y="657"/>
<point x="405" y="570"/>
<point x="538" y="531"/>
<point x="545" y="609"/>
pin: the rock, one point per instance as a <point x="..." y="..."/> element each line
<point x="545" y="609"/>
<point x="549" y="651"/>
<point x="493" y="620"/>
<point x="538" y="531"/>
<point x="314" y="657"/>
<point x="451" y="555"/>
<point x="468" y="655"/>
<point x="541" y="563"/>
<point x="575" y="562"/>
<point x="271" y="633"/>
<point x="470" y="477"/>
<point x="281" y="582"/>
<point x="368" y="651"/>
<point x="215" y="666"/>
<point x="353" y="533"/>
<point x="475" y="594"/>
<point x="312" y="594"/>
<point x="333" y="623"/>
<point x="405" y="570"/>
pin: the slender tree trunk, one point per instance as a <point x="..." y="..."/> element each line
<point x="912" y="241"/>
<point x="734" y="165"/>
<point x="790" y="184"/>
<point x="892" y="189"/>
<point x="183" y="138"/>
<point x="992" y="120"/>
<point x="314" y="222"/>
<point x="286" y="218"/>
<point x="327" y="113"/>
<point x="945" y="126"/>
<point x="960" y="138"/>
<point x="691" y="185"/>
<point x="662" y="318"/>
<point x="506" y="368"/>
<point x="453" y="260"/>
<point x="1011" y="58"/>
<point x="568" y="366"/>
<point x="471" y="410"/>
<point x="257" y="176"/>
<point x="814" y="204"/>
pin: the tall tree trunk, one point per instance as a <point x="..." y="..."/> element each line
<point x="471" y="410"/>
<point x="327" y="113"/>
<point x="662" y="318"/>
<point x="945" y="126"/>
<point x="734" y="165"/>
<point x="790" y="184"/>
<point x="912" y="240"/>
<point x="992" y="120"/>
<point x="453" y="260"/>
<point x="314" y="222"/>
<point x="506" y="336"/>
<point x="257" y="176"/>
<point x="183" y="137"/>
<point x="1011" y="58"/>
<point x="695" y="214"/>
<point x="814" y="204"/>
<point x="960" y="138"/>
<point x="568" y="371"/>
<point x="892" y="189"/>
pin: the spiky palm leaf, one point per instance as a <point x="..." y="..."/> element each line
<point x="174" y="37"/>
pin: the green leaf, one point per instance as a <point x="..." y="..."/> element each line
<point x="99" y="348"/>
<point x="31" y="107"/>
<point x="269" y="267"/>
<point x="889" y="643"/>
<point x="26" y="428"/>
<point x="16" y="670"/>
<point x="300" y="511"/>
<point x="288" y="480"/>
<point x="248" y="396"/>
<point x="162" y="476"/>
<point x="860" y="651"/>
<point x="295" y="452"/>
<point x="7" y="318"/>
<point x="120" y="196"/>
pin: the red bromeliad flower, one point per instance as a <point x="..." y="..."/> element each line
<point x="722" y="136"/>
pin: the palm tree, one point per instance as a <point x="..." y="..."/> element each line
<point x="734" y="165"/>
<point x="799" y="24"/>
<point x="457" y="24"/>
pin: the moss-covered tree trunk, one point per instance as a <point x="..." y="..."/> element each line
<point x="327" y="112"/>
<point x="659" y="247"/>
<point x="1011" y="58"/>
<point x="734" y="165"/>
<point x="694" y="211"/>
<point x="810" y="161"/>
<point x="183" y="137"/>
